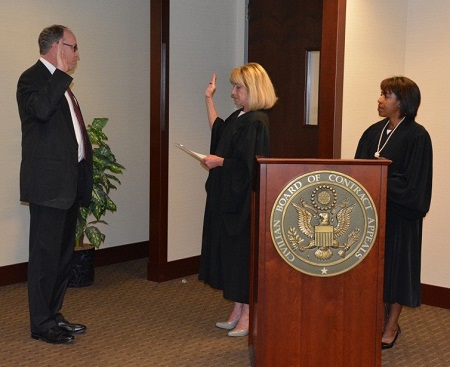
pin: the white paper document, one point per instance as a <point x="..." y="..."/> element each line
<point x="193" y="154"/>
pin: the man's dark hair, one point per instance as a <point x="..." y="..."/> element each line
<point x="49" y="36"/>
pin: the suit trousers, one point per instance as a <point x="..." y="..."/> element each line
<point x="51" y="247"/>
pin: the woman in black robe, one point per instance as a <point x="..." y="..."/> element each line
<point x="235" y="142"/>
<point x="407" y="144"/>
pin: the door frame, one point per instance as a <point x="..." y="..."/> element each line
<point x="331" y="78"/>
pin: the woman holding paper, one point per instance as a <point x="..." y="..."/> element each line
<point x="225" y="258"/>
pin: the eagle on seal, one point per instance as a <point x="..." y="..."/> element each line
<point x="323" y="235"/>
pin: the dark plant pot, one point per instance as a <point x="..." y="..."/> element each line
<point x="82" y="273"/>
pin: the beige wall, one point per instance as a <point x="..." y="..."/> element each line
<point x="207" y="36"/>
<point x="385" y="38"/>
<point x="112" y="80"/>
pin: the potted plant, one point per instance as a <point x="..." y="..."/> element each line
<point x="105" y="171"/>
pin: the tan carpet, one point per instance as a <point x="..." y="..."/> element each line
<point x="134" y="322"/>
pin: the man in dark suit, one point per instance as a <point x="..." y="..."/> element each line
<point x="55" y="179"/>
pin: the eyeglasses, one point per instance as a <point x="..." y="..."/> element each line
<point x="73" y="47"/>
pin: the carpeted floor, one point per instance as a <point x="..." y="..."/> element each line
<point x="134" y="322"/>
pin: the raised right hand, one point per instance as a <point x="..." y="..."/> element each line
<point x="211" y="88"/>
<point x="61" y="62"/>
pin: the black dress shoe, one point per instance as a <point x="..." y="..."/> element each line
<point x="391" y="344"/>
<point x="70" y="328"/>
<point x="54" y="336"/>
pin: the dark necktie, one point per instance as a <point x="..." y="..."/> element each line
<point x="77" y="110"/>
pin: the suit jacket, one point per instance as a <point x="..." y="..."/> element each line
<point x="49" y="168"/>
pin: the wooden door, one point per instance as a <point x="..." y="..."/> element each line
<point x="279" y="38"/>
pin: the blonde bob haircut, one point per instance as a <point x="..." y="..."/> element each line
<point x="260" y="91"/>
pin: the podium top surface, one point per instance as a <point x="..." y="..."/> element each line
<point x="325" y="161"/>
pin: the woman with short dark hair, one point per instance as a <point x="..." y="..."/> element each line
<point x="399" y="138"/>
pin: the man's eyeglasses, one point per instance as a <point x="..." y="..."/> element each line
<point x="73" y="47"/>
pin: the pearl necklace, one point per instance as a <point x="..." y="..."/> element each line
<point x="377" y="153"/>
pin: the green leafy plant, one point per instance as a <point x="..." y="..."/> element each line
<point x="105" y="171"/>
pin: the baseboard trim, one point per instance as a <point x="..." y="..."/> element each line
<point x="17" y="273"/>
<point x="436" y="296"/>
<point x="119" y="254"/>
<point x="10" y="274"/>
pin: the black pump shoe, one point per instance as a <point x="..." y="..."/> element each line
<point x="391" y="344"/>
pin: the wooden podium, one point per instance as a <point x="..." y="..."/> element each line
<point x="298" y="319"/>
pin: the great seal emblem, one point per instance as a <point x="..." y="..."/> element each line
<point x="323" y="223"/>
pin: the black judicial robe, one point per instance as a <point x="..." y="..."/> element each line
<point x="408" y="201"/>
<point x="225" y="257"/>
